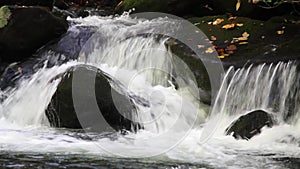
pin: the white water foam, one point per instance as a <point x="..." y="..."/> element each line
<point x="23" y="126"/>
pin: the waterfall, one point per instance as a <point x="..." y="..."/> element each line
<point x="165" y="94"/>
<point x="142" y="63"/>
<point x="271" y="87"/>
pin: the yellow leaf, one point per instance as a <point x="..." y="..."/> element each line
<point x="213" y="38"/>
<point x="228" y="26"/>
<point x="238" y="5"/>
<point x="209" y="50"/>
<point x="222" y="57"/>
<point x="280" y="32"/>
<point x="246" y="34"/>
<point x="218" y="21"/>
<point x="243" y="43"/>
<point x="239" y="24"/>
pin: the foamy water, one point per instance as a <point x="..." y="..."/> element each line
<point x="177" y="126"/>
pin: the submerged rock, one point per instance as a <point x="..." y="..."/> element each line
<point x="27" y="30"/>
<point x="116" y="108"/>
<point x="249" y="125"/>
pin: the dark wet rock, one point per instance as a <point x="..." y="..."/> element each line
<point x="268" y="42"/>
<point x="176" y="7"/>
<point x="261" y="10"/>
<point x="41" y="3"/>
<point x="28" y="29"/>
<point x="12" y="73"/>
<point x="55" y="53"/>
<point x="61" y="111"/>
<point x="61" y="4"/>
<point x="249" y="125"/>
<point x="197" y="67"/>
<point x="70" y="45"/>
<point x="205" y="8"/>
<point x="93" y="3"/>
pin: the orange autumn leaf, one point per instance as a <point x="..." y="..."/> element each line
<point x="229" y="26"/>
<point x="213" y="38"/>
<point x="231" y="48"/>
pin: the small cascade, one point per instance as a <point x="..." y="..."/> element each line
<point x="271" y="87"/>
<point x="142" y="63"/>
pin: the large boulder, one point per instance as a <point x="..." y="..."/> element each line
<point x="27" y="30"/>
<point x="115" y="105"/>
<point x="249" y="125"/>
<point x="243" y="40"/>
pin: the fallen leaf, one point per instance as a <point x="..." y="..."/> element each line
<point x="280" y="32"/>
<point x="217" y="21"/>
<point x="229" y="26"/>
<point x="213" y="38"/>
<point x="234" y="40"/>
<point x="245" y="34"/>
<point x="232" y="18"/>
<point x="238" y="5"/>
<point x="243" y="43"/>
<point x="120" y="3"/>
<point x="221" y="57"/>
<point x="239" y="24"/>
<point x="209" y="50"/>
<point x="220" y="50"/>
<point x="231" y="48"/>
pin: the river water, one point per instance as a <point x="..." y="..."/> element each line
<point x="179" y="132"/>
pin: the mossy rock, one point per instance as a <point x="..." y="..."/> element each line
<point x="273" y="40"/>
<point x="4" y="16"/>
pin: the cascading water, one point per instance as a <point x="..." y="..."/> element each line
<point x="172" y="110"/>
<point x="271" y="87"/>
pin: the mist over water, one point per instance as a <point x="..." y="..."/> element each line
<point x="174" y="120"/>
